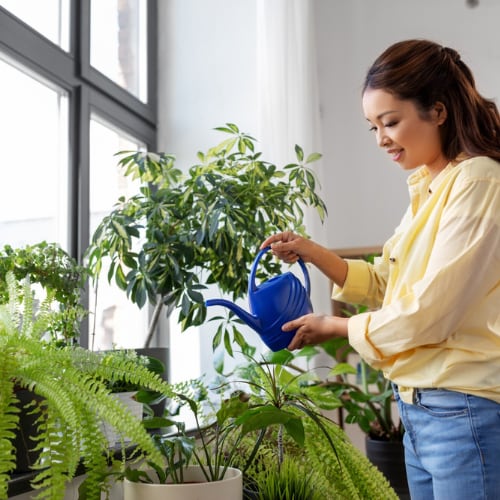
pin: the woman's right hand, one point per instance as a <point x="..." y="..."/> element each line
<point x="289" y="247"/>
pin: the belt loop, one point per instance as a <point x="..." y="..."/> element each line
<point x="414" y="395"/>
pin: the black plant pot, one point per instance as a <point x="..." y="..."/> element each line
<point x="250" y="494"/>
<point x="388" y="457"/>
<point x="25" y="456"/>
<point x="160" y="353"/>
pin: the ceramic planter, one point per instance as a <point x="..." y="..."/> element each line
<point x="195" y="487"/>
<point x="136" y="408"/>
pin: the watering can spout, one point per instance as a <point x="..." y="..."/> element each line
<point x="252" y="321"/>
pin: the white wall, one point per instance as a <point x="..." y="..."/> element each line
<point x="208" y="76"/>
<point x="367" y="192"/>
<point x="208" y="67"/>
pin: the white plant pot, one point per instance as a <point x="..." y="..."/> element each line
<point x="136" y="408"/>
<point x="195" y="487"/>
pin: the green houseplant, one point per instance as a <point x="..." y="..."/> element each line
<point x="287" y="410"/>
<point x="195" y="464"/>
<point x="367" y="396"/>
<point x="60" y="279"/>
<point x="138" y="399"/>
<point x="368" y="402"/>
<point x="203" y="226"/>
<point x="73" y="399"/>
<point x="270" y="433"/>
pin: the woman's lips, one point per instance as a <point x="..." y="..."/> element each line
<point x="395" y="154"/>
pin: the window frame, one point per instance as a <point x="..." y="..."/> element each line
<point x="89" y="92"/>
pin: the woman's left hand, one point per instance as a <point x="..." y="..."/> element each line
<point x="315" y="329"/>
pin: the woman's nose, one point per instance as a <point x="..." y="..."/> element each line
<point x="382" y="139"/>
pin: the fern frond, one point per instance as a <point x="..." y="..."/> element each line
<point x="9" y="418"/>
<point x="350" y="474"/>
<point x="57" y="461"/>
<point x="75" y="401"/>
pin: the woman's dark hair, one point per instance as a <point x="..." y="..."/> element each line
<point x="426" y="72"/>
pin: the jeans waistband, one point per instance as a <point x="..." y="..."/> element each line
<point x="410" y="394"/>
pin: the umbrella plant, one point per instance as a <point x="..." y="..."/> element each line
<point x="189" y="228"/>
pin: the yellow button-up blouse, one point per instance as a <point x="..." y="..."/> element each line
<point x="436" y="287"/>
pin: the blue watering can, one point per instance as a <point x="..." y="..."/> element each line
<point x="273" y="303"/>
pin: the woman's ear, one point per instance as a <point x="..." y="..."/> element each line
<point x="440" y="113"/>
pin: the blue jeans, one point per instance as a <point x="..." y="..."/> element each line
<point x="452" y="445"/>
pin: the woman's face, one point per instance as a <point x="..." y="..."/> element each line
<point x="409" y="137"/>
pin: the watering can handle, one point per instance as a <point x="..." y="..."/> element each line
<point x="253" y="287"/>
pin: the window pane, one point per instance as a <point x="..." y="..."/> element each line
<point x="117" y="321"/>
<point x="49" y="17"/>
<point x="118" y="43"/>
<point x="33" y="130"/>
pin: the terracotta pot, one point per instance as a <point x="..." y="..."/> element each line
<point x="195" y="487"/>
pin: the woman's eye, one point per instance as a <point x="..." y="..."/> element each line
<point x="391" y="124"/>
<point x="372" y="129"/>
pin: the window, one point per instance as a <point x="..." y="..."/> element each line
<point x="118" y="43"/>
<point x="50" y="18"/>
<point x="115" y="320"/>
<point x="34" y="130"/>
<point x="78" y="84"/>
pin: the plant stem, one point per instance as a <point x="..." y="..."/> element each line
<point x="154" y="321"/>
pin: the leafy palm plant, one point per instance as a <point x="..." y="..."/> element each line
<point x="74" y="399"/>
<point x="186" y="230"/>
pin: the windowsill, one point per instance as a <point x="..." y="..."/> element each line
<point x="21" y="483"/>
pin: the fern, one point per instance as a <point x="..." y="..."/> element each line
<point x="8" y="418"/>
<point x="72" y="383"/>
<point x="350" y="474"/>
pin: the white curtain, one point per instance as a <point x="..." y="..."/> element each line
<point x="289" y="109"/>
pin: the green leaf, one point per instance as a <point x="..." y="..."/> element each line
<point x="342" y="369"/>
<point x="299" y="152"/>
<point x="313" y="157"/>
<point x="262" y="417"/>
<point x="295" y="429"/>
<point x="119" y="229"/>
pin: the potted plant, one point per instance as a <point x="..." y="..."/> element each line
<point x="186" y="230"/>
<point x="368" y="401"/>
<point x="288" y="405"/>
<point x="253" y="433"/>
<point x="140" y="401"/>
<point x="195" y="464"/>
<point x="74" y="399"/>
<point x="59" y="279"/>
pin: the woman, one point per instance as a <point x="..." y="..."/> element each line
<point x="436" y="287"/>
